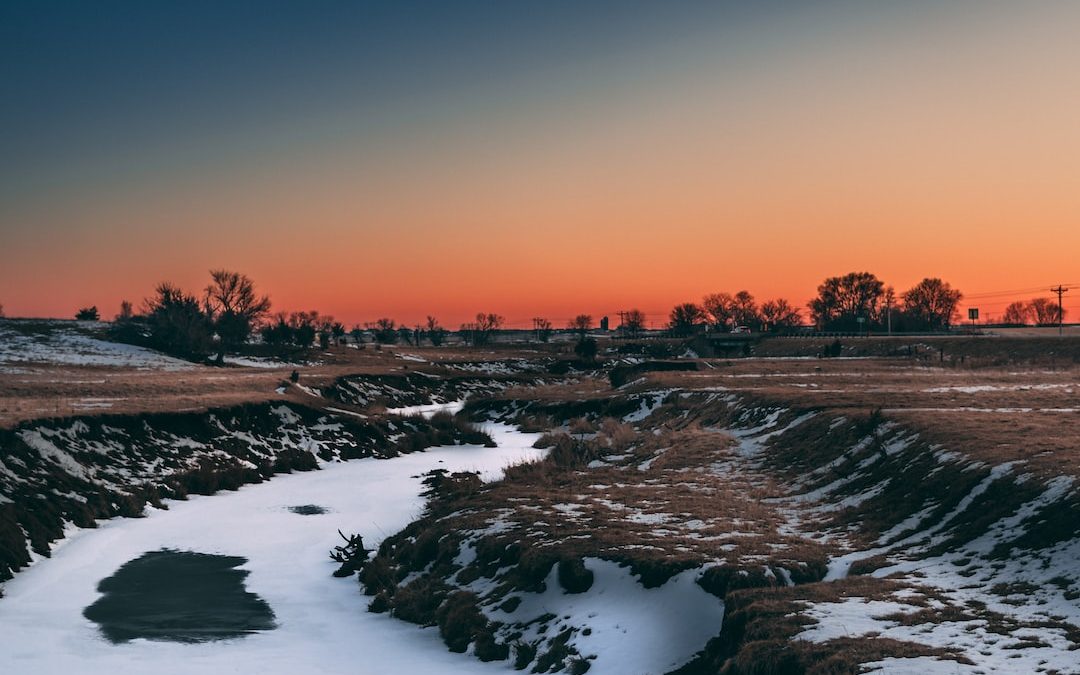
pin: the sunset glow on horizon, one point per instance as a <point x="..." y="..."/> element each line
<point x="536" y="159"/>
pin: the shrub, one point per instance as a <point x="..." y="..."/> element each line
<point x="574" y="577"/>
<point x="586" y="349"/>
<point x="418" y="602"/>
<point x="460" y="621"/>
<point x="619" y="434"/>
<point x="88" y="314"/>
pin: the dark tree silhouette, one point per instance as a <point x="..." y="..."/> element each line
<point x="485" y="327"/>
<point x="685" y="319"/>
<point x="842" y="300"/>
<point x="932" y="303"/>
<point x="586" y="349"/>
<point x="385" y="331"/>
<point x="176" y="322"/>
<point x="744" y="310"/>
<point x="1018" y="313"/>
<point x="87" y="314"/>
<point x="581" y="325"/>
<point x="233" y="308"/>
<point x="304" y="327"/>
<point x="277" y="330"/>
<point x="543" y="329"/>
<point x="1045" y="311"/>
<point x="435" y="332"/>
<point x="720" y="308"/>
<point x="633" y="323"/>
<point x="337" y="331"/>
<point x="127" y="313"/>
<point x="779" y="315"/>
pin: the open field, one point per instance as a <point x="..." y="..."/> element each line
<point x="63" y="368"/>
<point x="995" y="413"/>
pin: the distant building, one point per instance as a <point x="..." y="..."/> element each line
<point x="604" y="323"/>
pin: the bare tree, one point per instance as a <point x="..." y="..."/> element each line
<point x="778" y="315"/>
<point x="633" y="323"/>
<point x="435" y="332"/>
<point x="581" y="324"/>
<point x="744" y="310"/>
<point x="304" y="327"/>
<point x="843" y="300"/>
<point x="1018" y="313"/>
<point x="543" y="329"/>
<point x="720" y="308"/>
<point x="385" y="331"/>
<point x="1046" y="311"/>
<point x="890" y="302"/>
<point x="485" y="327"/>
<point x="126" y="312"/>
<point x="233" y="308"/>
<point x="932" y="303"/>
<point x="685" y="318"/>
<point x="324" y="328"/>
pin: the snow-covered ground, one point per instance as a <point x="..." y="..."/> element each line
<point x="633" y="630"/>
<point x="67" y="343"/>
<point x="428" y="410"/>
<point x="258" y="362"/>
<point x="323" y="622"/>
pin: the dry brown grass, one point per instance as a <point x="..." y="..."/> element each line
<point x="992" y="414"/>
<point x="33" y="391"/>
<point x="667" y="500"/>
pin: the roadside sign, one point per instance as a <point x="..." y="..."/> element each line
<point x="973" y="313"/>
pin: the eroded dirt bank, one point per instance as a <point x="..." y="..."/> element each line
<point x="833" y="541"/>
<point x="78" y="470"/>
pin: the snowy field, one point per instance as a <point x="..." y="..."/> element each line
<point x="70" y="343"/>
<point x="323" y="622"/>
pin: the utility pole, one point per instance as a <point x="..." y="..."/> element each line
<point x="889" y="298"/>
<point x="1060" y="290"/>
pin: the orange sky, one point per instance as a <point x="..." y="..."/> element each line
<point x="942" y="144"/>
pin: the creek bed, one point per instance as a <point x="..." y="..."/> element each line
<point x="320" y="624"/>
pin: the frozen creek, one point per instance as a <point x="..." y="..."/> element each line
<point x="322" y="623"/>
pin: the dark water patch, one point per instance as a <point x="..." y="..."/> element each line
<point x="179" y="596"/>
<point x="308" y="510"/>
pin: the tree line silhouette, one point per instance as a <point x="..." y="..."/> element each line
<point x="854" y="302"/>
<point x="229" y="311"/>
